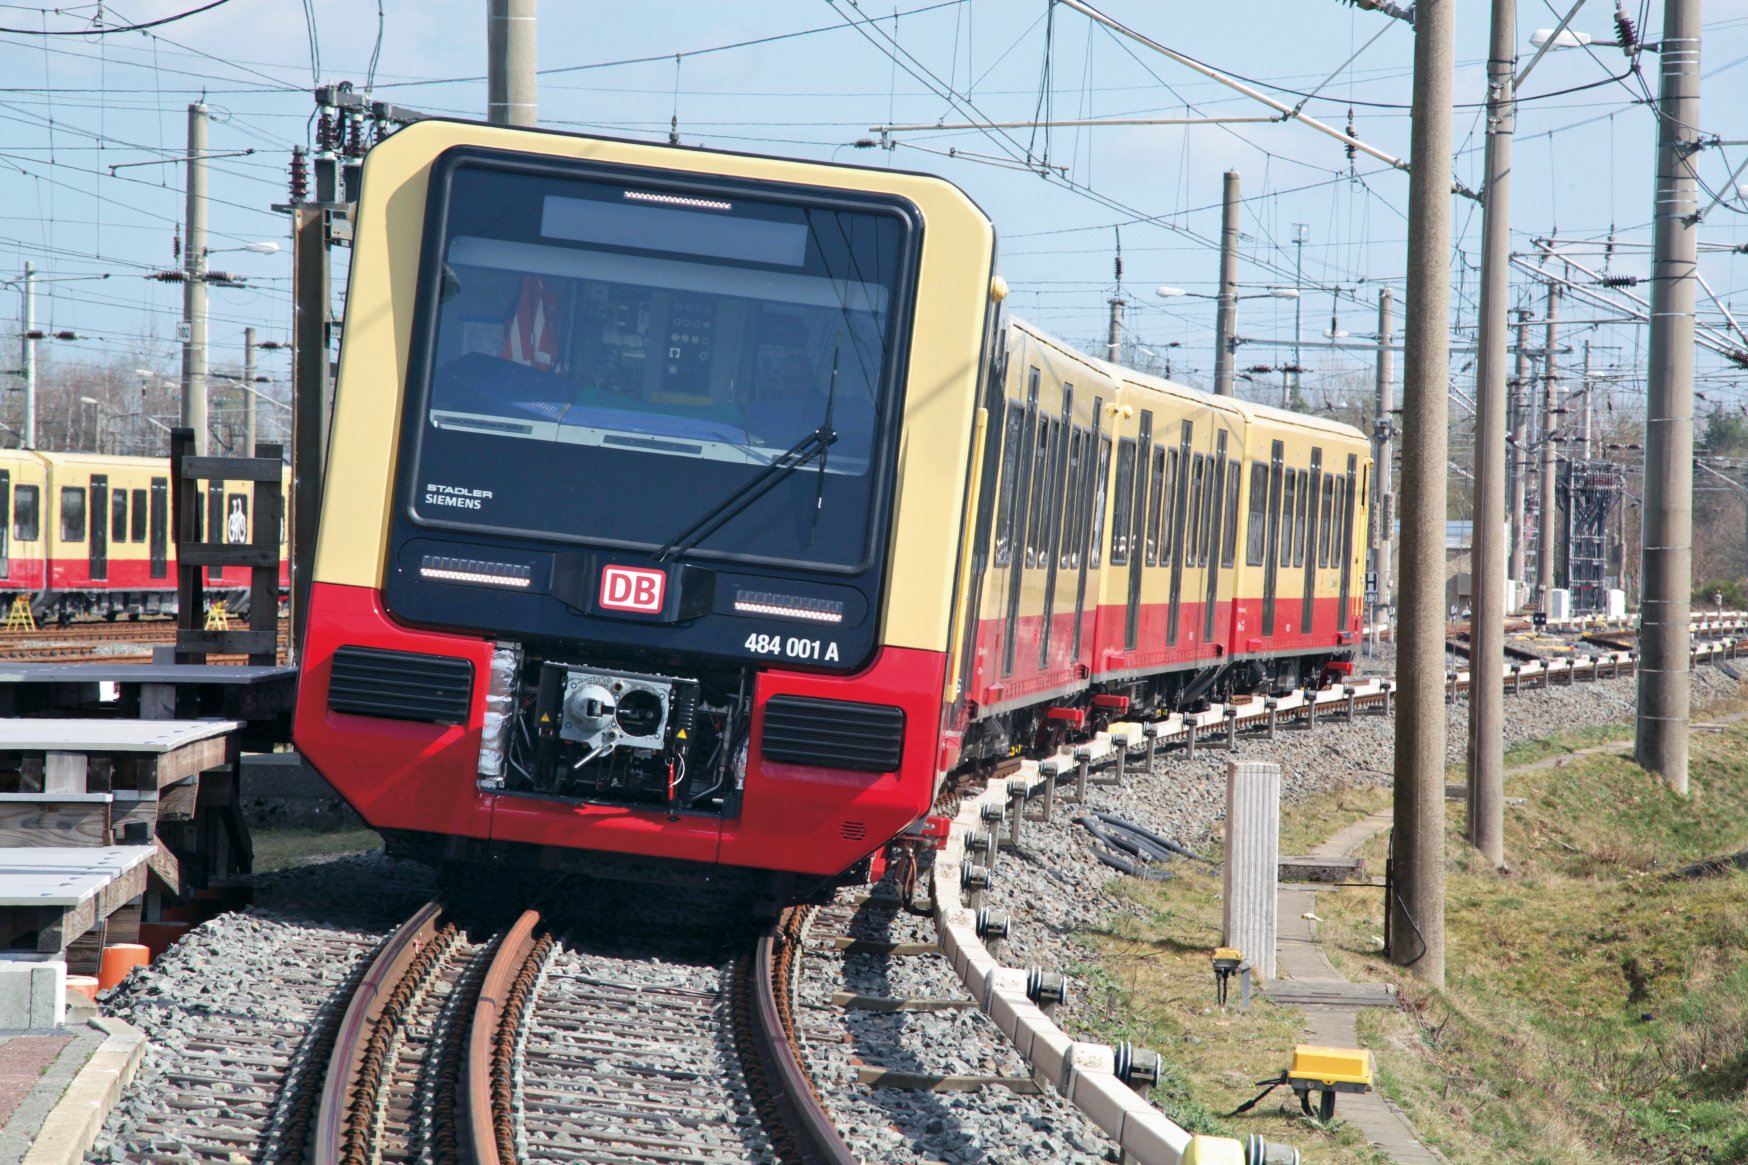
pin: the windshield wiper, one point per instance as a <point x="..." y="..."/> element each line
<point x="767" y="479"/>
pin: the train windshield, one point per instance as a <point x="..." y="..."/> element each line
<point x="611" y="363"/>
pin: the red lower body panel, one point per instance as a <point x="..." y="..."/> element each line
<point x="797" y="818"/>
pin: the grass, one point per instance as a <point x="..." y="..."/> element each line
<point x="280" y="849"/>
<point x="1596" y="1009"/>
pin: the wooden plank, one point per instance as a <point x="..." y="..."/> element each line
<point x="41" y="823"/>
<point x="232" y="469"/>
<point x="217" y="788"/>
<point x="196" y="757"/>
<point x="184" y="506"/>
<point x="133" y="811"/>
<point x="928" y="1082"/>
<point x="887" y="1003"/>
<point x="73" y="922"/>
<point x="863" y="946"/>
<point x="122" y="890"/>
<point x="177" y="802"/>
<point x="166" y="869"/>
<point x="226" y="554"/>
<point x="124" y="924"/>
<point x="269" y="520"/>
<point x="226" y="642"/>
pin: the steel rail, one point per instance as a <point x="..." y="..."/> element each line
<point x="485" y="1115"/>
<point x="810" y="1127"/>
<point x="386" y="970"/>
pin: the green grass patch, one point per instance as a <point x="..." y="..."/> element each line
<point x="280" y="849"/>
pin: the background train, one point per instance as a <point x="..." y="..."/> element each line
<point x="691" y="516"/>
<point x="86" y="534"/>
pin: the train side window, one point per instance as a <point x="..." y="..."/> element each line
<point x="160" y="548"/>
<point x="215" y="513"/>
<point x="97" y="557"/>
<point x="1323" y="558"/>
<point x="1210" y="510"/>
<point x="26" y="508"/>
<point x="1167" y="508"/>
<point x="138" y="533"/>
<point x="1035" y="509"/>
<point x="118" y="516"/>
<point x="1288" y="504"/>
<point x="1122" y="503"/>
<point x="1341" y="513"/>
<point x="1100" y="479"/>
<point x="1193" y="511"/>
<point x="1299" y="519"/>
<point x="72" y="513"/>
<point x="1068" y="557"/>
<point x="1010" y="472"/>
<point x="1229" y="545"/>
<point x="1256" y="531"/>
<point x="1155" y="495"/>
<point x="5" y="501"/>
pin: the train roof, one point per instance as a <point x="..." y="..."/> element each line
<point x="1250" y="410"/>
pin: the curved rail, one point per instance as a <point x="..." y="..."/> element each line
<point x="356" y="1029"/>
<point x="488" y="1069"/>
<point x="790" y="1091"/>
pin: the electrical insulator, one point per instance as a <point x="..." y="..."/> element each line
<point x="300" y="175"/>
<point x="355" y="142"/>
<point x="1351" y="134"/>
<point x="1620" y="280"/>
<point x="381" y="130"/>
<point x="176" y="245"/>
<point x="1624" y="31"/>
<point x="325" y="133"/>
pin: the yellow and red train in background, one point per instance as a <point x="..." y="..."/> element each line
<point x="84" y="534"/>
<point x="692" y="516"/>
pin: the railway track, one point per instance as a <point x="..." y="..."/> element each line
<point x="442" y="1051"/>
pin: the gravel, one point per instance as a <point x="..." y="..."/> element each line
<point x="1053" y="888"/>
<point x="893" y="1125"/>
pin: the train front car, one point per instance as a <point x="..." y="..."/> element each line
<point x="637" y="550"/>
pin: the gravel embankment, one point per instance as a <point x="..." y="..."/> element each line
<point x="1053" y="887"/>
<point x="892" y="1125"/>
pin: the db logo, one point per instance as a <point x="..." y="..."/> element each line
<point x="625" y="588"/>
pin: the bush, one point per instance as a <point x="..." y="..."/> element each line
<point x="1733" y="590"/>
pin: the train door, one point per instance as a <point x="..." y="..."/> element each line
<point x="1185" y="472"/>
<point x="1272" y="534"/>
<point x="1222" y="536"/>
<point x="1344" y="492"/>
<point x="97" y="549"/>
<point x="1095" y="461"/>
<point x="159" y="549"/>
<point x="1057" y="491"/>
<point x="988" y="491"/>
<point x="1313" y="507"/>
<point x="1141" y="454"/>
<point x="1019" y="535"/>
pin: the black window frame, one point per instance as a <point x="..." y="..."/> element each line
<point x="159" y="551"/>
<point x="138" y="521"/>
<point x="118" y="513"/>
<point x="1256" y="518"/>
<point x="883" y="462"/>
<point x="33" y="491"/>
<point x="79" y="511"/>
<point x="1013" y="428"/>
<point x="1122" y="503"/>
<point x="1155" y="496"/>
<point x="97" y="524"/>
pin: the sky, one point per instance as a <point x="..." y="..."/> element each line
<point x="818" y="79"/>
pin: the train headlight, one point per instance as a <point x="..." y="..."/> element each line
<point x="500" y="709"/>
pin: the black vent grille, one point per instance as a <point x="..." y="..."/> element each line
<point x="400" y="685"/>
<point x="833" y="734"/>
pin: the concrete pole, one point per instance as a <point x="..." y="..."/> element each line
<point x="1666" y="570"/>
<point x="1486" y="803"/>
<point x="1545" y="552"/>
<point x="1383" y="426"/>
<point x="1520" y="457"/>
<point x="28" y="439"/>
<point x="194" y="284"/>
<point x="1114" y="337"/>
<point x="251" y="405"/>
<point x="1417" y="906"/>
<point x="512" y="87"/>
<point x="1587" y="387"/>
<point x="1226" y="308"/>
<point x="1250" y="875"/>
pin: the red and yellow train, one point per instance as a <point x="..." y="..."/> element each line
<point x="89" y="534"/>
<point x="691" y="516"/>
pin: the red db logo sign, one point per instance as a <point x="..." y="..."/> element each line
<point x="625" y="588"/>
